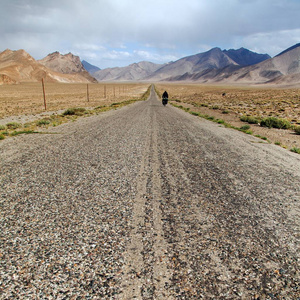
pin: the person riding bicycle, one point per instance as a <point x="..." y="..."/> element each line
<point x="165" y="98"/>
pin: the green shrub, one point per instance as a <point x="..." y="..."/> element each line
<point x="297" y="130"/>
<point x="43" y="122"/>
<point x="249" y="119"/>
<point x="15" y="133"/>
<point x="296" y="150"/>
<point x="2" y="127"/>
<point x="2" y="137"/>
<point x="74" y="111"/>
<point x="13" y="125"/>
<point x="273" y="122"/>
<point x="261" y="137"/>
<point x="245" y="127"/>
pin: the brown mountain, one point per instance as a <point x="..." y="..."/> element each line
<point x="133" y="72"/>
<point x="212" y="59"/>
<point x="19" y="66"/>
<point x="66" y="64"/>
<point x="281" y="69"/>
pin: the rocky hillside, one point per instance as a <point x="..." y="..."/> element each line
<point x="66" y="64"/>
<point x="212" y="59"/>
<point x="18" y="66"/>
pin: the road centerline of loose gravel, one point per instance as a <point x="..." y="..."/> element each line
<point x="142" y="279"/>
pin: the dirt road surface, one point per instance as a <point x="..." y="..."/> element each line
<point x="148" y="202"/>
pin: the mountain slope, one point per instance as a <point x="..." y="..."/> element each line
<point x="66" y="64"/>
<point x="133" y="72"/>
<point x="19" y="66"/>
<point x="289" y="49"/>
<point x="282" y="69"/>
<point x="287" y="63"/>
<point x="90" y="68"/>
<point x="212" y="59"/>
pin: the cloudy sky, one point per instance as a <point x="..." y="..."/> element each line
<point x="110" y="33"/>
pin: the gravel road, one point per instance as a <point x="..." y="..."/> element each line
<point x="148" y="202"/>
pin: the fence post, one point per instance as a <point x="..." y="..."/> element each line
<point x="87" y="93"/>
<point x="44" y="94"/>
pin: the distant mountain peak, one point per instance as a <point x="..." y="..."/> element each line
<point x="133" y="72"/>
<point x="89" y="67"/>
<point x="66" y="64"/>
<point x="245" y="57"/>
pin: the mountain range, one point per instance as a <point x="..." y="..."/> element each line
<point x="284" y="68"/>
<point x="133" y="72"/>
<point x="214" y="59"/>
<point x="213" y="66"/>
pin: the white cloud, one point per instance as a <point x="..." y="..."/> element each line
<point x="116" y="32"/>
<point x="272" y="42"/>
<point x="154" y="57"/>
<point x="90" y="47"/>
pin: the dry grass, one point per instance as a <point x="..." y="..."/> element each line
<point x="27" y="98"/>
<point x="252" y="101"/>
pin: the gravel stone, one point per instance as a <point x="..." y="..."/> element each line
<point x="148" y="202"/>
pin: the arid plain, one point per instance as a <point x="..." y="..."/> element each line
<point x="230" y="103"/>
<point x="24" y="103"/>
<point x="27" y="98"/>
